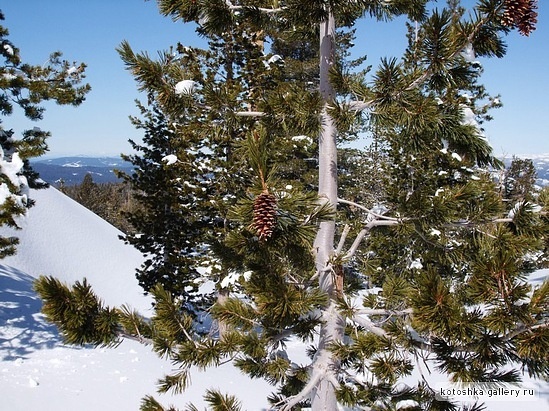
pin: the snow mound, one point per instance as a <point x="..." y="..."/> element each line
<point x="37" y="371"/>
<point x="60" y="237"/>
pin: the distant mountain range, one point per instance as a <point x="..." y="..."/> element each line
<point x="72" y="170"/>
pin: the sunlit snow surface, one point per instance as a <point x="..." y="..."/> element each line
<point x="38" y="372"/>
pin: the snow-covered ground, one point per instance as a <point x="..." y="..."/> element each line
<point x="38" y="372"/>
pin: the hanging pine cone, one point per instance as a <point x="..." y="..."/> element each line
<point x="521" y="14"/>
<point x="264" y="217"/>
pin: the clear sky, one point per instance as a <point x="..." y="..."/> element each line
<point x="90" y="30"/>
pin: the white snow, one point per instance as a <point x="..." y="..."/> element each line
<point x="469" y="117"/>
<point x="456" y="156"/>
<point x="39" y="372"/>
<point x="8" y="76"/>
<point x="405" y="404"/>
<point x="468" y="53"/>
<point x="185" y="87"/>
<point x="233" y="277"/>
<point x="73" y="164"/>
<point x="9" y="49"/>
<point x="274" y="59"/>
<point x="416" y="264"/>
<point x="302" y="138"/>
<point x="170" y="159"/>
<point x="11" y="169"/>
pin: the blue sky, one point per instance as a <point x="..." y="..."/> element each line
<point x="89" y="31"/>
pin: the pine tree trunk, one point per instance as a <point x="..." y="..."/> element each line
<point x="222" y="326"/>
<point x="323" y="396"/>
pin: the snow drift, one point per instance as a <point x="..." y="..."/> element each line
<point x="63" y="239"/>
<point x="60" y="237"/>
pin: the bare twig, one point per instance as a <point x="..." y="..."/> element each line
<point x="250" y="113"/>
<point x="524" y="329"/>
<point x="344" y="234"/>
<point x="381" y="311"/>
<point x="290" y="402"/>
<point x="232" y="7"/>
<point x="369" y="211"/>
<point x="354" y="247"/>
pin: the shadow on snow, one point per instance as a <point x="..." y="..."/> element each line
<point x="23" y="328"/>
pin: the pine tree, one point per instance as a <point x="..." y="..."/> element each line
<point x="25" y="86"/>
<point x="519" y="180"/>
<point x="431" y="272"/>
<point x="191" y="169"/>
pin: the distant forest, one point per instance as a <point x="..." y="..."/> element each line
<point x="110" y="201"/>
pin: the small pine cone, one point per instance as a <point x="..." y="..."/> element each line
<point x="521" y="14"/>
<point x="528" y="20"/>
<point x="264" y="216"/>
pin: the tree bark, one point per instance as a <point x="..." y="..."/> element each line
<point x="323" y="396"/>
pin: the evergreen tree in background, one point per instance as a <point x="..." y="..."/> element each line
<point x="26" y="86"/>
<point x="421" y="268"/>
<point x="192" y="166"/>
<point x="108" y="200"/>
<point x="519" y="180"/>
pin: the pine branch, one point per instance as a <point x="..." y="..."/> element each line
<point x="292" y="401"/>
<point x="220" y="402"/>
<point x="362" y="234"/>
<point x="524" y="329"/>
<point x="426" y="74"/>
<point x="458" y="48"/>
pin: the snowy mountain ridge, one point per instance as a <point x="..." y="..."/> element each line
<point x="72" y="169"/>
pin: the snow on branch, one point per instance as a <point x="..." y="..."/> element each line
<point x="249" y="113"/>
<point x="370" y="326"/>
<point x="231" y="6"/>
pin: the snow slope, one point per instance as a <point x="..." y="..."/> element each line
<point x="59" y="237"/>
<point x="38" y="372"/>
